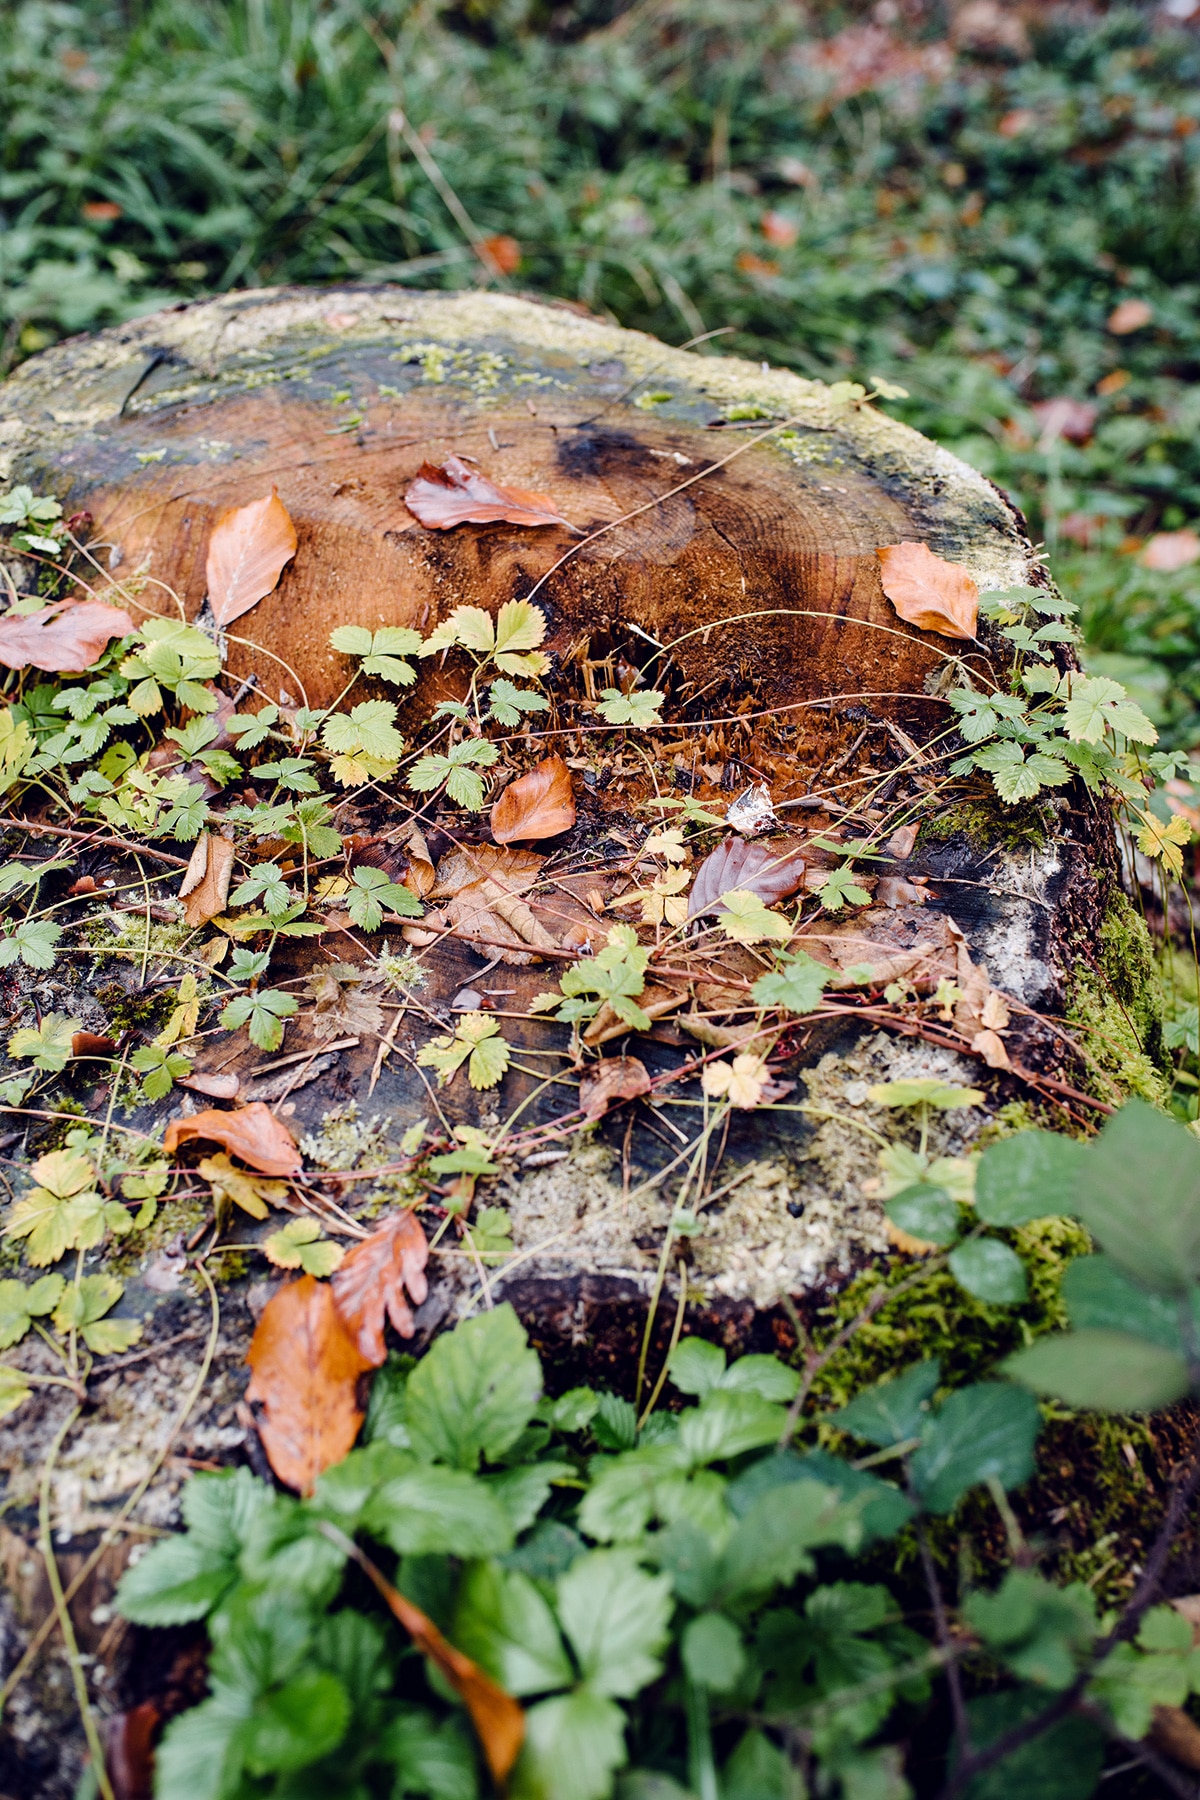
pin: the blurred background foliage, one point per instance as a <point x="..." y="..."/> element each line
<point x="992" y="203"/>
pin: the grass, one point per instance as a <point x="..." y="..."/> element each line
<point x="851" y="198"/>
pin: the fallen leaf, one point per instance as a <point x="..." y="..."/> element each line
<point x="902" y="841"/>
<point x="306" y="1370"/>
<point x="496" y="1716"/>
<point x="1064" y="417"/>
<point x="231" y="1187"/>
<point x="742" y="1081"/>
<point x="980" y="1011"/>
<point x="539" y="804"/>
<point x="63" y="640"/>
<point x="246" y="555"/>
<point x="129" y="1747"/>
<point x="216" y="1085"/>
<point x="1129" y="315"/>
<point x="205" y="884"/>
<point x="616" y="1078"/>
<point x="503" y="252"/>
<point x="991" y="1048"/>
<point x="251" y="1132"/>
<point x="372" y="1281"/>
<point x="420" y="877"/>
<point x="1168" y="551"/>
<point x="342" y="1006"/>
<point x="87" y="884"/>
<point x="91" y="1043"/>
<point x="484" y="884"/>
<point x="779" y="230"/>
<point x="927" y="591"/>
<point x="892" y="890"/>
<point x="457" y="494"/>
<point x="770" y="874"/>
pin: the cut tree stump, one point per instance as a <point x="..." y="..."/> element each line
<point x="737" y="570"/>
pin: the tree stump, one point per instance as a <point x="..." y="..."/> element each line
<point x="727" y="520"/>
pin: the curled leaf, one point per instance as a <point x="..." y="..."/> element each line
<point x="306" y="1370"/>
<point x="927" y="591"/>
<point x="205" y="884"/>
<point x="539" y="804"/>
<point x="616" y="1078"/>
<point x="65" y="639"/>
<point x="372" y="1279"/>
<point x="251" y="1132"/>
<point x="457" y="494"/>
<point x="247" y="552"/>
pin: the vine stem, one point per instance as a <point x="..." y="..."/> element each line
<point x="62" y="1611"/>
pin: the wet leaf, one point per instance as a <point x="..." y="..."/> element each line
<point x="616" y="1078"/>
<point x="457" y="494"/>
<point x="306" y="1370"/>
<point x="205" y="885"/>
<point x="65" y="639"/>
<point x="251" y="1132"/>
<point x="927" y="591"/>
<point x="769" y="874"/>
<point x="247" y="552"/>
<point x="374" y="1278"/>
<point x="539" y="804"/>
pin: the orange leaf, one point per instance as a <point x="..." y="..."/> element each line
<point x="617" y="1078"/>
<point x="779" y="230"/>
<point x="65" y="639"/>
<point x="88" y="1043"/>
<point x="306" y="1369"/>
<point x="932" y="594"/>
<point x="252" y="1132"/>
<point x="496" y="1716"/>
<point x="1129" y="315"/>
<point x="537" y="805"/>
<point x="372" y="1279"/>
<point x="503" y="252"/>
<point x="457" y="494"/>
<point x="246" y="554"/>
<point x="206" y="879"/>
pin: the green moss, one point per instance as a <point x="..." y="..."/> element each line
<point x="131" y="1009"/>
<point x="1116" y="1002"/>
<point x="983" y="823"/>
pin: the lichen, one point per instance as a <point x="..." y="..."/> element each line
<point x="1115" y="1001"/>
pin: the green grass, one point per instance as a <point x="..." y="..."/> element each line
<point x="634" y="160"/>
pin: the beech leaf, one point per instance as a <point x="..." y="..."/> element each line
<point x="457" y="494"/>
<point x="65" y="639"/>
<point x="616" y="1078"/>
<point x="927" y="591"/>
<point x="305" y="1377"/>
<point x="251" y="1132"/>
<point x="372" y="1279"/>
<point x="205" y="885"/>
<point x="246" y="555"/>
<point x="539" y="804"/>
<point x="737" y="865"/>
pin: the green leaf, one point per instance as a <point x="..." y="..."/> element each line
<point x="48" y="1045"/>
<point x="1063" y="1763"/>
<point x="182" y="1578"/>
<point x="20" y="1305"/>
<point x="1040" y="1632"/>
<point x="506" y="703"/>
<point x="428" y="1511"/>
<point x="368" y="727"/>
<point x="573" y="1745"/>
<point x="796" y="984"/>
<point x="990" y="1270"/>
<point x="839" y="886"/>
<point x="1140" y="1197"/>
<point x="728" y="1423"/>
<point x="979" y="1432"/>
<point x="1097" y="1294"/>
<point x="696" y="1366"/>
<point x="712" y="1652"/>
<point x="944" y="1096"/>
<point x="616" y="1620"/>
<point x="615" y="974"/>
<point x="477" y="1038"/>
<point x="1032" y="1175"/>
<point x="199" y="1756"/>
<point x="296" y="1724"/>
<point x="263" y="1014"/>
<point x="474" y="1391"/>
<point x="744" y="919"/>
<point x="641" y="710"/>
<point x="435" y="1761"/>
<point x="267" y="883"/>
<point x="755" y="1771"/>
<point x="14" y="1389"/>
<point x="373" y="889"/>
<point x="894" y="1410"/>
<point x="1104" y="1371"/>
<point x="925" y="1211"/>
<point x="884" y="1509"/>
<point x="1097" y="704"/>
<point x="771" y="1543"/>
<point x="160" y="1069"/>
<point x="504" y="1623"/>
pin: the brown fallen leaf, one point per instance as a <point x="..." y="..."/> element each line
<point x="217" y="1085"/>
<point x="63" y="640"/>
<point x="372" y="1280"/>
<point x="497" y="1717"/>
<point x="616" y="1078"/>
<point x="654" y="1000"/>
<point x="927" y="591"/>
<point x="457" y="494"/>
<point x="771" y="872"/>
<point x="342" y="1005"/>
<point x="91" y="1043"/>
<point x="893" y="890"/>
<point x="484" y="884"/>
<point x="902" y="842"/>
<point x="981" y="1011"/>
<point x="539" y="804"/>
<point x="129" y="1751"/>
<point x="420" y="877"/>
<point x="247" y="552"/>
<point x="306" y="1379"/>
<point x="205" y="884"/>
<point x="251" y="1132"/>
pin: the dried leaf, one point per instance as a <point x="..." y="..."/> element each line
<point x="457" y="494"/>
<point x="1169" y="551"/>
<point x="539" y="804"/>
<point x="1129" y="315"/>
<point x="216" y="1085"/>
<point x="306" y="1374"/>
<point x="616" y="1078"/>
<point x="742" y="1081"/>
<point x="251" y="1132"/>
<point x="129" y="1751"/>
<point x="231" y="1187"/>
<point x="485" y="883"/>
<point x="65" y="639"/>
<point x="205" y="884"/>
<point x="246" y="555"/>
<point x="930" y="593"/>
<point x="991" y="1047"/>
<point x="902" y="842"/>
<point x="373" y="1278"/>
<point x="893" y="891"/>
<point x="770" y="874"/>
<point x="342" y="1007"/>
<point x="514" y="870"/>
<point x="420" y="878"/>
<point x="90" y="1043"/>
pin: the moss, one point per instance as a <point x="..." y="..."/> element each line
<point x="985" y="823"/>
<point x="1116" y="1001"/>
<point x="133" y="1009"/>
